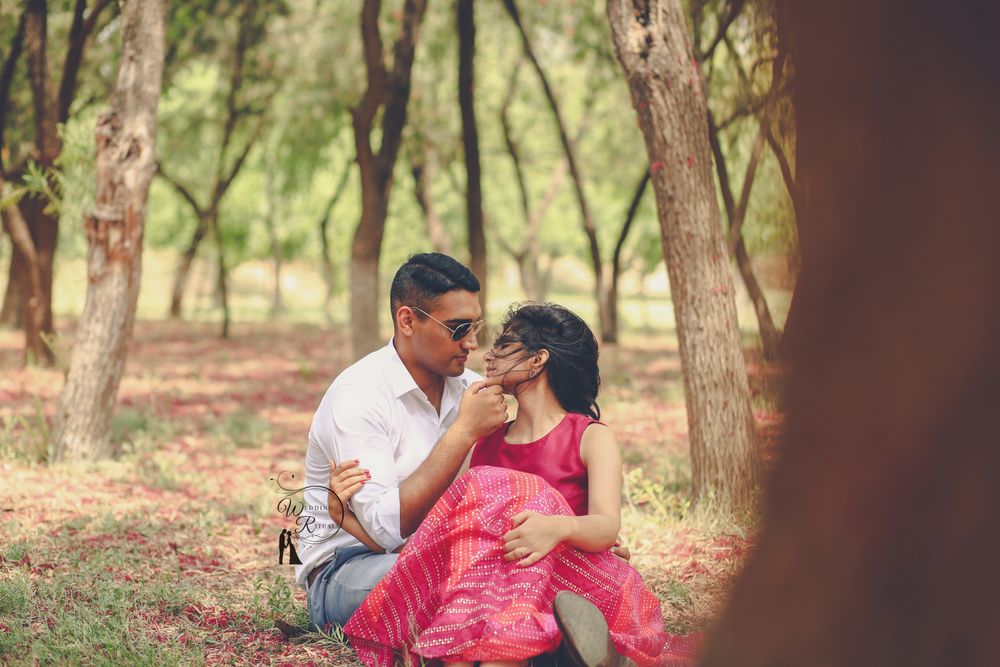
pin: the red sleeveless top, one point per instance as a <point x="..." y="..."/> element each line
<point x="555" y="457"/>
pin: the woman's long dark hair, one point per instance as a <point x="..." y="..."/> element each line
<point x="572" y="365"/>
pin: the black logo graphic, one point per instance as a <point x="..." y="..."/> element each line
<point x="305" y="526"/>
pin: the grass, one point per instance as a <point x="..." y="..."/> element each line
<point x="167" y="554"/>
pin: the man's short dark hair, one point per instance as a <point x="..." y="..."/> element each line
<point x="424" y="278"/>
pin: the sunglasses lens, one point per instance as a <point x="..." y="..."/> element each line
<point x="461" y="331"/>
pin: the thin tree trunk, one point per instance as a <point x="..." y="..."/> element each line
<point x="879" y="543"/>
<point x="466" y="24"/>
<point x="769" y="336"/>
<point x="125" y="165"/>
<point x="277" y="307"/>
<point x="184" y="267"/>
<point x="391" y="90"/>
<point x="222" y="275"/>
<point x="422" y="170"/>
<point x="324" y="239"/>
<point x="616" y="259"/>
<point x="665" y="85"/>
<point x="586" y="217"/>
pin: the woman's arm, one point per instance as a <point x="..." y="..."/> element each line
<point x="534" y="535"/>
<point x="346" y="480"/>
<point x="598" y="530"/>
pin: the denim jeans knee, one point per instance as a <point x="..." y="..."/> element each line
<point x="345" y="583"/>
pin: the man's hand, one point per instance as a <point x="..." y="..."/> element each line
<point x="346" y="479"/>
<point x="533" y="537"/>
<point x="482" y="409"/>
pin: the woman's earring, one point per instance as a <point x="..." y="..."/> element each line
<point x="531" y="373"/>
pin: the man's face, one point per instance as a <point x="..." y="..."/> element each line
<point x="432" y="344"/>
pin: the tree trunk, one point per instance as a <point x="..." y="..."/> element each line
<point x="391" y="90"/>
<point x="324" y="240"/>
<point x="12" y="311"/>
<point x="663" y="78"/>
<point x="44" y="226"/>
<point x="465" y="19"/>
<point x="769" y="336"/>
<point x="600" y="290"/>
<point x="184" y="267"/>
<point x="277" y="307"/>
<point x="422" y="171"/>
<point x="616" y="260"/>
<point x="222" y="274"/>
<point x="32" y="307"/>
<point x="879" y="543"/>
<point x="125" y="165"/>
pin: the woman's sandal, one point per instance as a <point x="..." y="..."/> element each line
<point x="586" y="639"/>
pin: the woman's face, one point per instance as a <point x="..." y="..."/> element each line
<point x="509" y="360"/>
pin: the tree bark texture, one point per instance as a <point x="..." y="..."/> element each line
<point x="655" y="53"/>
<point x="879" y="545"/>
<point x="126" y="138"/>
<point x="390" y="90"/>
<point x="465" y="19"/>
<point x="586" y="217"/>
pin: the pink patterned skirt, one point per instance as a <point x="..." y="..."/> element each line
<point x="451" y="596"/>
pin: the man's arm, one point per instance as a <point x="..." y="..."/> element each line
<point x="481" y="412"/>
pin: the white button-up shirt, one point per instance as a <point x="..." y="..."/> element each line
<point x="375" y="412"/>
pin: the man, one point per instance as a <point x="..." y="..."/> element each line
<point x="410" y="412"/>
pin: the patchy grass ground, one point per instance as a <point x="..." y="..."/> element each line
<point x="168" y="554"/>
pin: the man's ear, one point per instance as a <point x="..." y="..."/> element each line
<point x="404" y="320"/>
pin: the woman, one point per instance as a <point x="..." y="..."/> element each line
<point x="536" y="513"/>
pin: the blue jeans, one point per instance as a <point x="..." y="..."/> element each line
<point x="344" y="583"/>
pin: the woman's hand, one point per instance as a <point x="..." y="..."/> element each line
<point x="346" y="479"/>
<point x="534" y="535"/>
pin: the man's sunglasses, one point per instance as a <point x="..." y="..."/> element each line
<point x="459" y="332"/>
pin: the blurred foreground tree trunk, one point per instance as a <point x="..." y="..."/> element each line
<point x="655" y="53"/>
<point x="389" y="89"/>
<point x="879" y="545"/>
<point x="126" y="142"/>
<point x="465" y="19"/>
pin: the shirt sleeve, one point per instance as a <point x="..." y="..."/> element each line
<point x="359" y="428"/>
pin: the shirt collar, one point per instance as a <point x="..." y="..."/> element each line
<point x="399" y="377"/>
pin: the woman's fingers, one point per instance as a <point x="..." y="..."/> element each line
<point x="351" y="476"/>
<point x="530" y="559"/>
<point x="350" y="463"/>
<point x="348" y="493"/>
